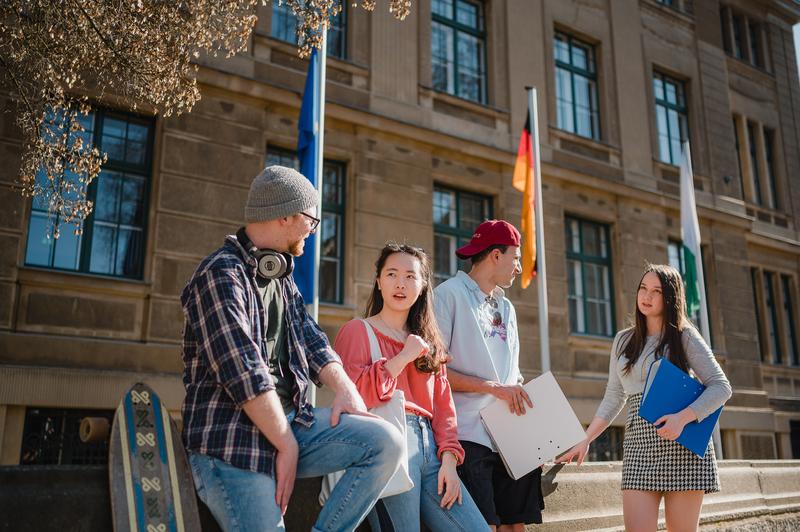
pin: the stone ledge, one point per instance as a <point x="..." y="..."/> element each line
<point x="756" y="496"/>
<point x="758" y="490"/>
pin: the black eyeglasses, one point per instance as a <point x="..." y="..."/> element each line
<point x="314" y="221"/>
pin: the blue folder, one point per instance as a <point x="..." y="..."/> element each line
<point x="671" y="391"/>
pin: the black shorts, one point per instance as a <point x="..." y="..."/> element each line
<point x="501" y="499"/>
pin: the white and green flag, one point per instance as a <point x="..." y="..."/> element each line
<point x="690" y="234"/>
<point x="693" y="262"/>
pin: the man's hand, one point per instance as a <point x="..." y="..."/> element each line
<point x="348" y="401"/>
<point x="285" y="472"/>
<point x="513" y="394"/>
<point x="266" y="412"/>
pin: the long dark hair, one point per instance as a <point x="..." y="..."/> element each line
<point x="673" y="320"/>
<point x="421" y="319"/>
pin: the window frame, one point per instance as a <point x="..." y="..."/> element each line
<point x="769" y="165"/>
<point x="751" y="130"/>
<point x="480" y="34"/>
<point x="584" y="258"/>
<point x="144" y="170"/>
<point x="681" y="110"/>
<point x="592" y="76"/>
<point x="286" y="157"/>
<point x="286" y="11"/>
<point x="67" y="439"/>
<point x="789" y="317"/>
<point x="459" y="233"/>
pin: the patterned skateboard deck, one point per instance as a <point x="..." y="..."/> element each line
<point x="151" y="483"/>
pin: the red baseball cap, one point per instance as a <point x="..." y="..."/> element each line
<point x="490" y="233"/>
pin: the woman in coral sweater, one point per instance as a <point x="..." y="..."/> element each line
<point x="400" y="314"/>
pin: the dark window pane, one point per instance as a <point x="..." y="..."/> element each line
<point x="329" y="281"/>
<point x="104" y="247"/>
<point x="789" y="320"/>
<point x="772" y="320"/>
<point x="132" y="201"/>
<point x="284" y="23"/>
<point x="129" y="253"/>
<point x="330" y="231"/>
<point x="107" y="201"/>
<point x="738" y="31"/>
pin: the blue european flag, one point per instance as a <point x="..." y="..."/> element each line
<point x="308" y="147"/>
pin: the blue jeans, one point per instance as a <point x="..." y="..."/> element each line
<point x="244" y="501"/>
<point x="402" y="513"/>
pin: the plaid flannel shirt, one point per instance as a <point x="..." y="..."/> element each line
<point x="225" y="359"/>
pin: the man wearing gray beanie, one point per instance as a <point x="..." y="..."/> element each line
<point x="251" y="352"/>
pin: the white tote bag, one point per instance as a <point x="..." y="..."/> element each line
<point x="393" y="411"/>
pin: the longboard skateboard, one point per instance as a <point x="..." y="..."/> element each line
<point x="151" y="484"/>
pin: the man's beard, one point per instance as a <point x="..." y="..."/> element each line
<point x="296" y="248"/>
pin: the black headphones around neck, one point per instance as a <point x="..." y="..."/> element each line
<point x="271" y="264"/>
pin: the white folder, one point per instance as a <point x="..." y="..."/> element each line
<point x="545" y="431"/>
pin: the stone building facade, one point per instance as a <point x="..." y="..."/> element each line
<point x="422" y="123"/>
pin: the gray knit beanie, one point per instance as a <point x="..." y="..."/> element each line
<point x="278" y="192"/>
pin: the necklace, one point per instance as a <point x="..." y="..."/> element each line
<point x="395" y="334"/>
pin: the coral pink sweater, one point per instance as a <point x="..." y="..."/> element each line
<point x="426" y="394"/>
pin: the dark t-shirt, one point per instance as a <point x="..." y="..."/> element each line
<point x="275" y="342"/>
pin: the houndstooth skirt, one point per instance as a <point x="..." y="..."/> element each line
<point x="651" y="463"/>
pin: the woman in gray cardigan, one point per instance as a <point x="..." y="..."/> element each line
<point x="654" y="465"/>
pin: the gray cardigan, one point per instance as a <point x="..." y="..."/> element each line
<point x="701" y="361"/>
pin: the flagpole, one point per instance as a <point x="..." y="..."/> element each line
<point x="705" y="328"/>
<point x="323" y="59"/>
<point x="541" y="269"/>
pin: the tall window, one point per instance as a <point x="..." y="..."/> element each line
<point x="769" y="160"/>
<point x="738" y="36"/>
<point x="754" y="171"/>
<point x="743" y="37"/>
<point x="458" y="48"/>
<point x="576" y="87"/>
<point x="589" y="285"/>
<point x="331" y="230"/>
<point x="671" y="117"/>
<point x="738" y="154"/>
<point x="754" y="35"/>
<point x="284" y="27"/>
<point x="50" y="436"/>
<point x="456" y="214"/>
<point x="789" y="332"/>
<point x="113" y="238"/>
<point x="755" y="283"/>
<point x="772" y="318"/>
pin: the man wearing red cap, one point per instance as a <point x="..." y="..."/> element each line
<point x="479" y="327"/>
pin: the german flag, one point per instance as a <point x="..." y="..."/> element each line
<point x="523" y="181"/>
